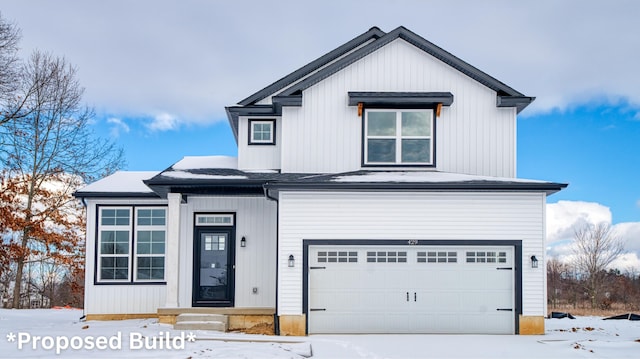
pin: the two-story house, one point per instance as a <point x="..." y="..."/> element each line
<point x="374" y="191"/>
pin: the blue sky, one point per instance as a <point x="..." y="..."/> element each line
<point x="594" y="148"/>
<point x="159" y="73"/>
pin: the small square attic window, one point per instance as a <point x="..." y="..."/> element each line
<point x="262" y="132"/>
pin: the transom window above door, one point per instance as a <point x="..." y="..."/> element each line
<point x="398" y="137"/>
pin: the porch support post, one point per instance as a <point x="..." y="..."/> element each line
<point x="173" y="249"/>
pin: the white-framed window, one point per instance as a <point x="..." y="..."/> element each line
<point x="262" y="132"/>
<point x="150" y="243"/>
<point x="214" y="219"/>
<point x="114" y="244"/>
<point x="131" y="244"/>
<point x="398" y="137"/>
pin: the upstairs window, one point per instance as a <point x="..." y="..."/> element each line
<point x="398" y="137"/>
<point x="262" y="132"/>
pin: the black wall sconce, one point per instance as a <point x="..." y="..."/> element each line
<point x="534" y="262"/>
<point x="243" y="242"/>
<point x="292" y="261"/>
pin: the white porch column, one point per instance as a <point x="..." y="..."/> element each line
<point x="172" y="253"/>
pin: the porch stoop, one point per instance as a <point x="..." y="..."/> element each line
<point x="246" y="320"/>
<point x="198" y="321"/>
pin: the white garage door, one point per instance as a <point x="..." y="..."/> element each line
<point x="412" y="289"/>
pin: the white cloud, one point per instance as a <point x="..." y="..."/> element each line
<point x="628" y="262"/>
<point x="163" y="122"/>
<point x="214" y="60"/>
<point x="118" y="126"/>
<point x="563" y="217"/>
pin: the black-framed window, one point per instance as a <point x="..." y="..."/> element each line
<point x="131" y="243"/>
<point x="262" y="132"/>
<point x="398" y="137"/>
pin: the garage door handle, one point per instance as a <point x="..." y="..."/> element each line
<point x="407" y="296"/>
<point x="504" y="268"/>
<point x="505" y="309"/>
<point x="415" y="297"/>
<point x="317" y="309"/>
<point x="317" y="267"/>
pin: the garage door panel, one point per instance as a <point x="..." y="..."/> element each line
<point x="411" y="289"/>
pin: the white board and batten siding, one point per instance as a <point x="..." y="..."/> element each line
<point x="258" y="157"/>
<point x="255" y="264"/>
<point x="407" y="216"/>
<point x="117" y="298"/>
<point x="473" y="136"/>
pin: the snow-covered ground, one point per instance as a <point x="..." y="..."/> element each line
<point x="61" y="330"/>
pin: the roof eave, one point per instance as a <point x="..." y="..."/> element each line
<point x="547" y="187"/>
<point x="519" y="102"/>
<point x="79" y="194"/>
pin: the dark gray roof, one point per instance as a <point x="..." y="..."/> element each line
<point x="233" y="181"/>
<point x="413" y="181"/>
<point x="292" y="85"/>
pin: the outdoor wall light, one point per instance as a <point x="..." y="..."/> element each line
<point x="534" y="262"/>
<point x="292" y="261"/>
<point x="243" y="242"/>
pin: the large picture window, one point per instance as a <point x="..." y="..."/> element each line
<point x="131" y="244"/>
<point x="398" y="137"/>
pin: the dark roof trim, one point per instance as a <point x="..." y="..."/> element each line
<point x="519" y="102"/>
<point x="203" y="182"/>
<point x="548" y="187"/>
<point x="233" y="112"/>
<point x="401" y="98"/>
<point x="373" y="34"/>
<point x="419" y="42"/>
<point x="115" y="195"/>
<point x="291" y="100"/>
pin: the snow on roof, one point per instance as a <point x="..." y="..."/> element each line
<point x="189" y="175"/>
<point x="121" y="181"/>
<point x="422" y="176"/>
<point x="197" y="162"/>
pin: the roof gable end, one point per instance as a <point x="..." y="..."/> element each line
<point x="416" y="40"/>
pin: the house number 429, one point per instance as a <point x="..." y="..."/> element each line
<point x="413" y="242"/>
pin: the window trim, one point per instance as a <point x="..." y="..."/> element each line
<point x="269" y="142"/>
<point x="398" y="137"/>
<point x="132" y="256"/>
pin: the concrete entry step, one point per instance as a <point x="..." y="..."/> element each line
<point x="199" y="317"/>
<point x="199" y="325"/>
<point x="197" y="321"/>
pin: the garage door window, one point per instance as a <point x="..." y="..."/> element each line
<point x="437" y="257"/>
<point x="386" y="257"/>
<point x="337" y="257"/>
<point x="486" y="257"/>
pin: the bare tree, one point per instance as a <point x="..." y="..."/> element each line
<point x="49" y="138"/>
<point x="595" y="248"/>
<point x="9" y="63"/>
<point x="556" y="283"/>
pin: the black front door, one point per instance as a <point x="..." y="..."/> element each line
<point x="213" y="267"/>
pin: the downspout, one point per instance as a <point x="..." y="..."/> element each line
<point x="276" y="320"/>
<point x="83" y="318"/>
